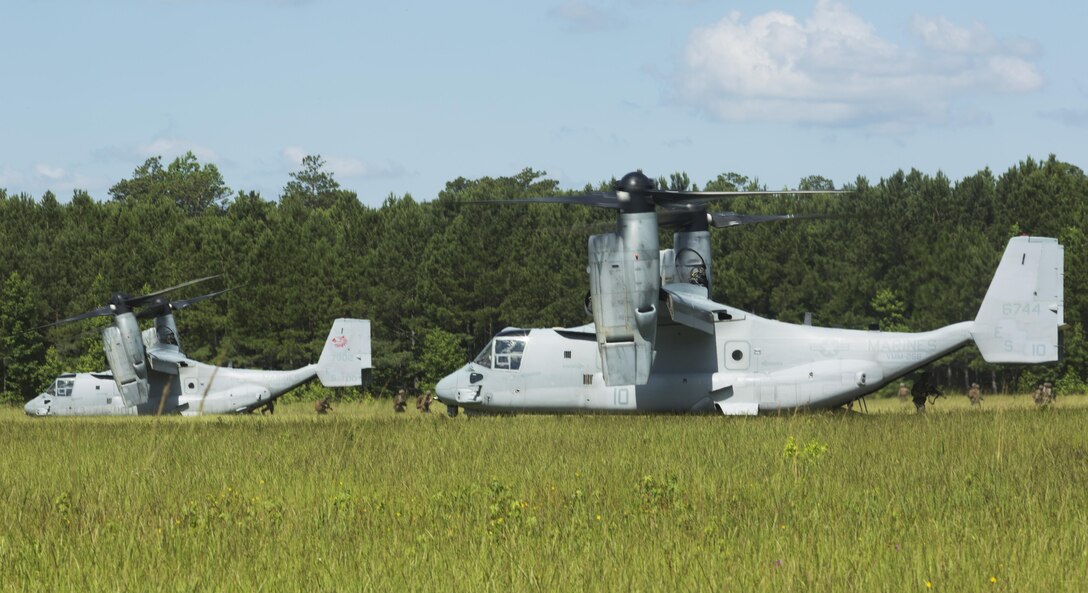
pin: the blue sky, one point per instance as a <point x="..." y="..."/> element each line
<point x="403" y="97"/>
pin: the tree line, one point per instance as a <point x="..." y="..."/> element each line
<point x="438" y="278"/>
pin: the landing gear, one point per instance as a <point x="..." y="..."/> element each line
<point x="451" y="411"/>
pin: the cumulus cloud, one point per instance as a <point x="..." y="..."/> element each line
<point x="170" y="148"/>
<point x="343" y="166"/>
<point x="834" y="68"/>
<point x="37" y="179"/>
<point x="50" y="172"/>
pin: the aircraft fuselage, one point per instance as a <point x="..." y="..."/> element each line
<point x="748" y="365"/>
<point x="194" y="389"/>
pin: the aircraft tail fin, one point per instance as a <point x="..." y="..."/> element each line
<point x="1019" y="318"/>
<point x="345" y="359"/>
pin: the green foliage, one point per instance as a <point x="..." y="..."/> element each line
<point x="22" y="350"/>
<point x="889" y="310"/>
<point x="192" y="188"/>
<point x="660" y="494"/>
<point x="442" y="352"/>
<point x="438" y="278"/>
<point x="803" y="458"/>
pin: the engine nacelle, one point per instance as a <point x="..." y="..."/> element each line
<point x="692" y="258"/>
<point x="624" y="286"/>
<point x="126" y="359"/>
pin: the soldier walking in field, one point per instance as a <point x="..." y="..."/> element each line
<point x="921" y="391"/>
<point x="399" y="402"/>
<point x="1037" y="395"/>
<point x="904" y="392"/>
<point x="1044" y="395"/>
<point x="423" y="402"/>
<point x="974" y="394"/>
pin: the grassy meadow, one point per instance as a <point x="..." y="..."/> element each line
<point x="960" y="499"/>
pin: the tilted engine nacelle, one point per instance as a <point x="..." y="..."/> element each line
<point x="163" y="335"/>
<point x="624" y="286"/>
<point x="688" y="261"/>
<point x="124" y="348"/>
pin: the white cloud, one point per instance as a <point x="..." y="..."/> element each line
<point x="294" y="155"/>
<point x="39" y="178"/>
<point x="170" y="148"/>
<point x="342" y="166"/>
<point x="942" y="35"/>
<point x="50" y="172"/>
<point x="834" y="68"/>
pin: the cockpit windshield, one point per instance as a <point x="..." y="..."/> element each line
<point x="484" y="357"/>
<point x="502" y="353"/>
<point x="61" y="387"/>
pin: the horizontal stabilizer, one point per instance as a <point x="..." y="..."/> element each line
<point x="1019" y="318"/>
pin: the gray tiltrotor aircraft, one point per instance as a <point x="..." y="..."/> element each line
<point x="150" y="375"/>
<point x="658" y="343"/>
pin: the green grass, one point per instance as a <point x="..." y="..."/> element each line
<point x="962" y="499"/>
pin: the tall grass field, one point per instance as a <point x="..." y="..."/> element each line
<point x="362" y="499"/>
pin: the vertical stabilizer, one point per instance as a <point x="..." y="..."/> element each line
<point x="1019" y="318"/>
<point x="345" y="359"/>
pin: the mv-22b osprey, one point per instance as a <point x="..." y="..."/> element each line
<point x="658" y="343"/>
<point x="150" y="375"/>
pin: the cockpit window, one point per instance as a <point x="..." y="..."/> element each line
<point x="508" y="353"/>
<point x="484" y="357"/>
<point x="61" y="387"/>
<point x="502" y="353"/>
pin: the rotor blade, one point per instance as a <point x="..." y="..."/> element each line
<point x="160" y="308"/>
<point x="99" y="312"/>
<point x="728" y="219"/>
<point x="176" y="305"/>
<point x="669" y="198"/>
<point x="596" y="199"/>
<point x="683" y="217"/>
<point x="146" y="298"/>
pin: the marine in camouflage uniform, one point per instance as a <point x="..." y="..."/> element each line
<point x="974" y="394"/>
<point x="1048" y="394"/>
<point x="399" y="403"/>
<point x="921" y="391"/>
<point x="904" y="392"/>
<point x="322" y="406"/>
<point x="423" y="402"/>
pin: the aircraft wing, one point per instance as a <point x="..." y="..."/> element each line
<point x="167" y="359"/>
<point x="689" y="305"/>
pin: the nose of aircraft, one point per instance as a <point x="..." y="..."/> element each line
<point x="34" y="407"/>
<point x="447" y="388"/>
